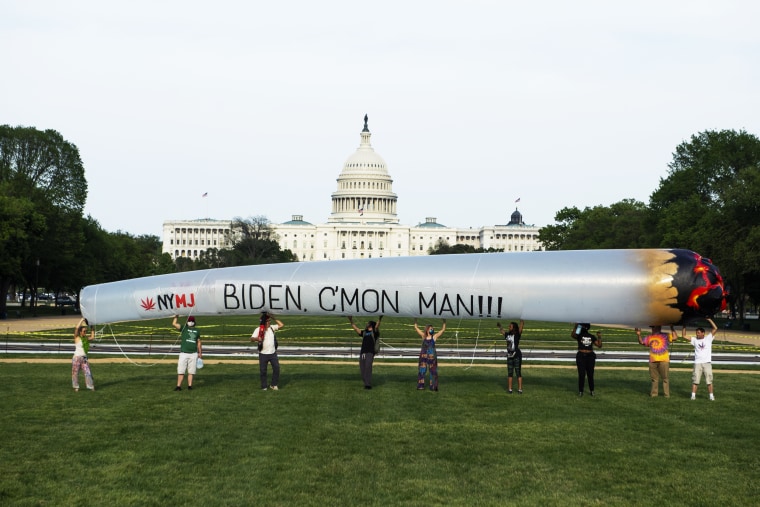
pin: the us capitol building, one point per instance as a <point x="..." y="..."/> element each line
<point x="363" y="223"/>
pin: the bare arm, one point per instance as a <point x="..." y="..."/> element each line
<point x="522" y="326"/>
<point x="79" y="325"/>
<point x="200" y="348"/>
<point x="440" y="332"/>
<point x="356" y="328"/>
<point x="714" y="327"/>
<point x="377" y="326"/>
<point x="638" y="333"/>
<point x="419" y="331"/>
<point x="175" y="324"/>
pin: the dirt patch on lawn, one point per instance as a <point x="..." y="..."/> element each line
<point x="32" y="324"/>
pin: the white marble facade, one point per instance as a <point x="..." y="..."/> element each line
<point x="363" y="223"/>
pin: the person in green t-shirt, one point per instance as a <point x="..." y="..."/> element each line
<point x="190" y="350"/>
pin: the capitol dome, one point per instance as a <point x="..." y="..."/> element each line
<point x="365" y="192"/>
<point x="364" y="159"/>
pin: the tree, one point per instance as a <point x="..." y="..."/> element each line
<point x="43" y="193"/>
<point x="442" y="247"/>
<point x="624" y="224"/>
<point x="709" y="203"/>
<point x="254" y="242"/>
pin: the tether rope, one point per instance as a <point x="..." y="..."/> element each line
<point x="121" y="349"/>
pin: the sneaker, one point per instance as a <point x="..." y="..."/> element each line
<point x="592" y="393"/>
<point x="712" y="398"/>
<point x="519" y="391"/>
<point x="510" y="391"/>
<point x="275" y="388"/>
<point x="178" y="388"/>
<point x="367" y="387"/>
<point x="580" y="393"/>
<point x="693" y="397"/>
<point x="263" y="388"/>
<point x="189" y="388"/>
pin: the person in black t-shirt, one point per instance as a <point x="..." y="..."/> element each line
<point x="512" y="335"/>
<point x="370" y="336"/>
<point x="585" y="358"/>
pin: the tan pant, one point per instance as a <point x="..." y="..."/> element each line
<point x="659" y="370"/>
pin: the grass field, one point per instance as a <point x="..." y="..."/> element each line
<point x="324" y="440"/>
<point x="395" y="332"/>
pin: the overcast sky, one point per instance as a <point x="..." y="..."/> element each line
<point x="472" y="104"/>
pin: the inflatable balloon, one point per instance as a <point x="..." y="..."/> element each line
<point x="631" y="287"/>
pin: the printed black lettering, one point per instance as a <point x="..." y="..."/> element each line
<point x="256" y="296"/>
<point x="370" y="297"/>
<point x="327" y="293"/>
<point x="291" y="298"/>
<point x="349" y="301"/>
<point x="393" y="304"/>
<point x="425" y="304"/>
<point x="231" y="301"/>
<point x="274" y="300"/>
<point x="446" y="305"/>
<point x="165" y="301"/>
<point x="463" y="306"/>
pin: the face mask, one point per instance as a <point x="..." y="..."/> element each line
<point x="432" y="331"/>
<point x="191" y="324"/>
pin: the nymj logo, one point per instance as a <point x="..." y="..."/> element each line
<point x="168" y="302"/>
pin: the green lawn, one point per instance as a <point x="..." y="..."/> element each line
<point x="324" y="440"/>
<point x="395" y="332"/>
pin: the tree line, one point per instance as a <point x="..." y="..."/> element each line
<point x="707" y="202"/>
<point x="45" y="241"/>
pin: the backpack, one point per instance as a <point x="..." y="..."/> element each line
<point x="377" y="342"/>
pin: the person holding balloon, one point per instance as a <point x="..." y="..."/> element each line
<point x="658" y="343"/>
<point x="370" y="336"/>
<point x="512" y="335"/>
<point x="79" y="361"/>
<point x="190" y="349"/>
<point x="428" y="361"/>
<point x="585" y="358"/>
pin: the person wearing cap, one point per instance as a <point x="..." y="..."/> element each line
<point x="264" y="335"/>
<point x="79" y="361"/>
<point x="190" y="349"/>
<point x="659" y="357"/>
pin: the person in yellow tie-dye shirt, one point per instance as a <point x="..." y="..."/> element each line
<point x="659" y="357"/>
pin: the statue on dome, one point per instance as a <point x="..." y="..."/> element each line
<point x="366" y="128"/>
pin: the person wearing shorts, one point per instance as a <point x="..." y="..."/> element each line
<point x="190" y="350"/>
<point x="702" y="358"/>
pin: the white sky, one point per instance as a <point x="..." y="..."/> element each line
<point x="472" y="104"/>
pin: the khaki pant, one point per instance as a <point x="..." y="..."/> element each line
<point x="657" y="370"/>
